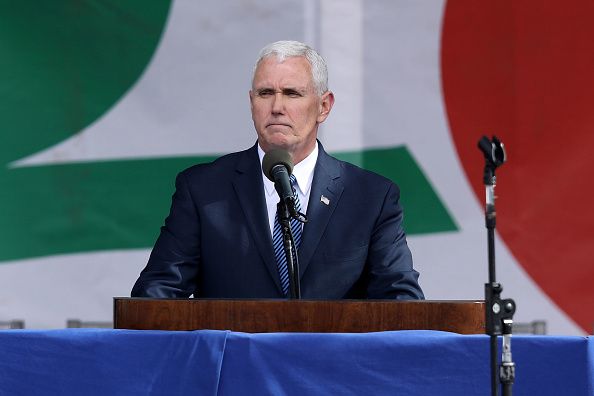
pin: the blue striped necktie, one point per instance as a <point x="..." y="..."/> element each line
<point x="277" y="241"/>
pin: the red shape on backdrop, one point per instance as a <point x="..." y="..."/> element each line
<point x="524" y="71"/>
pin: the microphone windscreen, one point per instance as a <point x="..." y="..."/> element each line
<point x="276" y="157"/>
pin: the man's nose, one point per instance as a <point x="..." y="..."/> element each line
<point x="278" y="103"/>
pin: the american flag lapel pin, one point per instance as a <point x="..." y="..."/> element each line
<point x="324" y="200"/>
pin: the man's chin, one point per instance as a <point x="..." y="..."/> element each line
<point x="280" y="141"/>
<point x="277" y="144"/>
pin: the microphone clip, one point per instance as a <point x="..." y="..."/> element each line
<point x="293" y="212"/>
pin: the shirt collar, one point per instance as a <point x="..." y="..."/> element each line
<point x="303" y="172"/>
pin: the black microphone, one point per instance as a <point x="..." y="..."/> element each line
<point x="277" y="166"/>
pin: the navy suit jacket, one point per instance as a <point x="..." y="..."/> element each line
<point x="216" y="241"/>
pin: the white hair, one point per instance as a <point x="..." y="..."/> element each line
<point x="287" y="49"/>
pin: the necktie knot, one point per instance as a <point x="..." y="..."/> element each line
<point x="293" y="183"/>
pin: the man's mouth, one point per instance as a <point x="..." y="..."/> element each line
<point x="273" y="124"/>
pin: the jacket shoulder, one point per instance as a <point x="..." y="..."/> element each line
<point x="220" y="167"/>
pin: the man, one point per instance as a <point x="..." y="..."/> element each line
<point x="217" y="241"/>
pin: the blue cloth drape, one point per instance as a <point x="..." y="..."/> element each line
<point x="126" y="362"/>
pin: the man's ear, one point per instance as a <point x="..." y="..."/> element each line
<point x="326" y="103"/>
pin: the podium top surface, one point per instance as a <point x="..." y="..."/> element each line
<point x="320" y="316"/>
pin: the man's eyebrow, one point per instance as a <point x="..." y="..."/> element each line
<point x="294" y="89"/>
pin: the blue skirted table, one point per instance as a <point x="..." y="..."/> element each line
<point x="129" y="362"/>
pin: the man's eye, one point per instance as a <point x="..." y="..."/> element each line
<point x="265" y="93"/>
<point x="293" y="94"/>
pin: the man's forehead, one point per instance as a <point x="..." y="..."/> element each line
<point x="284" y="85"/>
<point x="292" y="72"/>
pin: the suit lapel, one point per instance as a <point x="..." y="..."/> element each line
<point x="249" y="189"/>
<point x="326" y="190"/>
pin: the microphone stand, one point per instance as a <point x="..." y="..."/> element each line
<point x="498" y="313"/>
<point x="284" y="219"/>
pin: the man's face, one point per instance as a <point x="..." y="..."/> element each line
<point x="286" y="110"/>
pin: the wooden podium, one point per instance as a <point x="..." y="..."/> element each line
<point x="268" y="316"/>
